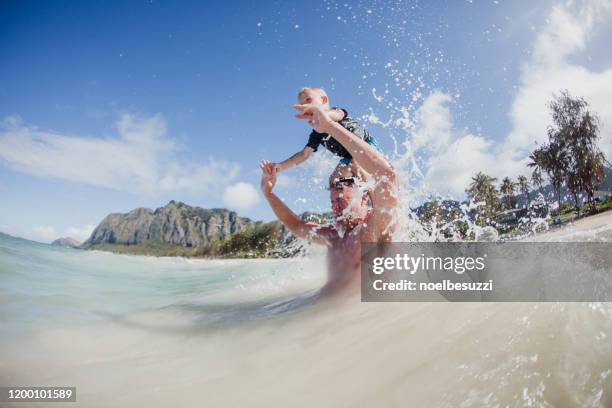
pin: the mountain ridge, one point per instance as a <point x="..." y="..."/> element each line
<point x="175" y="223"/>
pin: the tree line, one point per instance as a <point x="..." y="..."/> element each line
<point x="570" y="158"/>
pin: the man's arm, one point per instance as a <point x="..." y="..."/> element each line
<point x="299" y="227"/>
<point x="384" y="193"/>
<point x="364" y="154"/>
<point x="296" y="159"/>
<point x="336" y="114"/>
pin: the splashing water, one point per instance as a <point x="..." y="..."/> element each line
<point x="158" y="332"/>
<point x="410" y="88"/>
<point x="174" y="331"/>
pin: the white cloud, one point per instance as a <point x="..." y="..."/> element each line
<point x="434" y="123"/>
<point x="550" y="70"/>
<point x="451" y="159"/>
<point x="48" y="233"/>
<point x="451" y="170"/>
<point x="283" y="181"/>
<point x="142" y="159"/>
<point x="240" y="196"/>
<point x="80" y="233"/>
<point x="455" y="158"/>
<point x="194" y="177"/>
<point x="42" y="233"/>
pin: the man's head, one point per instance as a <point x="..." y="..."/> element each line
<point x="309" y="95"/>
<point x="347" y="199"/>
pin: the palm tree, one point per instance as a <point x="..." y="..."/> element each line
<point x="523" y="185"/>
<point x="552" y="159"/>
<point x="507" y="189"/>
<point x="482" y="189"/>
<point x="536" y="178"/>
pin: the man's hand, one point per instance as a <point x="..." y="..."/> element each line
<point x="268" y="176"/>
<point x="316" y="115"/>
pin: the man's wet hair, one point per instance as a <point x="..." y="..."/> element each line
<point x="349" y="181"/>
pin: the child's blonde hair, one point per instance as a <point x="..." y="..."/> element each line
<point x="317" y="89"/>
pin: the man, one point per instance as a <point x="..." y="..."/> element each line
<point x="361" y="216"/>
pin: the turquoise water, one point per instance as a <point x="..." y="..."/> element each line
<point x="132" y="331"/>
<point x="44" y="285"/>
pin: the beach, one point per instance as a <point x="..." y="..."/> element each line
<point x="159" y="332"/>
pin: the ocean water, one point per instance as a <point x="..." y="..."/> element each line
<point x="132" y="331"/>
<point x="42" y="285"/>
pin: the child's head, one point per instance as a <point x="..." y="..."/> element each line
<point x="313" y="94"/>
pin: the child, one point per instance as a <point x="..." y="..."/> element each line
<point x="318" y="95"/>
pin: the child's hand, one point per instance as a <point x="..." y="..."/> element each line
<point x="317" y="116"/>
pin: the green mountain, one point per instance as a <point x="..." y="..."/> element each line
<point x="178" y="229"/>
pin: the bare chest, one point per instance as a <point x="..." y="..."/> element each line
<point x="344" y="256"/>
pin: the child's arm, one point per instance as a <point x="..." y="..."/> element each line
<point x="296" y="159"/>
<point x="336" y="114"/>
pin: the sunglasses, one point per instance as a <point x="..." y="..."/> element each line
<point x="342" y="182"/>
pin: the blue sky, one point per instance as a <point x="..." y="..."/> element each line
<point x="108" y="106"/>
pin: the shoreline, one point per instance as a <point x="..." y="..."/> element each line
<point x="589" y="225"/>
<point x="186" y="258"/>
<point x="592" y="223"/>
